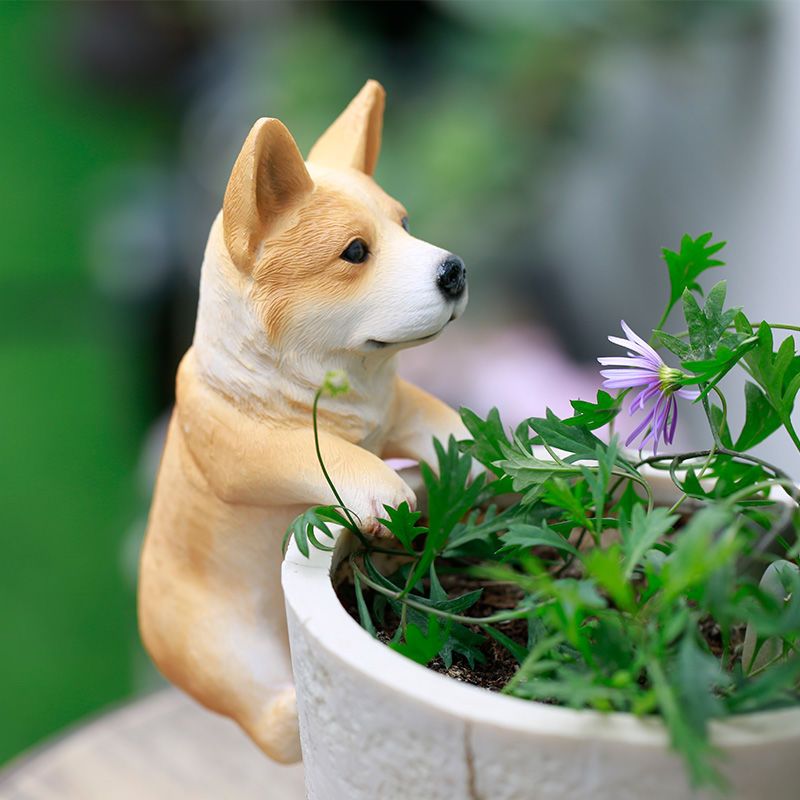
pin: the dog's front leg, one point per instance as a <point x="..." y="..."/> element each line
<point x="247" y="462"/>
<point x="419" y="418"/>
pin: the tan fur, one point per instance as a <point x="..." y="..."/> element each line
<point x="278" y="308"/>
<point x="303" y="266"/>
<point x="354" y="139"/>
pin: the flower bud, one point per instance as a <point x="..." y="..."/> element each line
<point x="335" y="383"/>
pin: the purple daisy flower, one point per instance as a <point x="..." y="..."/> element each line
<point x="643" y="367"/>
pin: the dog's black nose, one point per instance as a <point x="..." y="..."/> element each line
<point x="451" y="277"/>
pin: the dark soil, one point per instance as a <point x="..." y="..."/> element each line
<point x="500" y="665"/>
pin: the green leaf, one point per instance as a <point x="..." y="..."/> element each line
<point x="706" y="544"/>
<point x="303" y="526"/>
<point x="521" y="535"/>
<point x="402" y="523"/>
<point x="450" y="496"/>
<point x="529" y="473"/>
<point x="488" y="437"/>
<point x="720" y="422"/>
<point x="595" y="415"/>
<point x="692" y="260"/>
<point x="466" y="643"/>
<point x="781" y="618"/>
<point x="708" y="329"/>
<point x="437" y="592"/>
<point x="422" y="646"/>
<point x="693" y="745"/>
<point x="517" y="650"/>
<point x="560" y="435"/>
<point x="697" y="677"/>
<point x="675" y="345"/>
<point x="606" y="567"/>
<point x="572" y="499"/>
<point x="773" y="687"/>
<point x="715" y="300"/>
<point x="719" y="364"/>
<point x="455" y="605"/>
<point x="644" y="530"/>
<point x="478" y="533"/>
<point x="761" y="419"/>
<point x="598" y="479"/>
<point x="777" y="373"/>
<point x="460" y="639"/>
<point x="363" y="612"/>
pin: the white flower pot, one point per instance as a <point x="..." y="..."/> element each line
<point x="377" y="726"/>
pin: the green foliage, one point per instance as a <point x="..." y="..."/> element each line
<point x="777" y="373"/>
<point x="642" y="533"/>
<point x="488" y="437"/>
<point x="303" y="528"/>
<point x="595" y="415"/>
<point x="575" y="439"/>
<point x="422" y="646"/>
<point x="761" y="418"/>
<point x="689" y="263"/>
<point x="629" y="606"/>
<point x="402" y="522"/>
<point x="525" y="536"/>
<point x="450" y="496"/>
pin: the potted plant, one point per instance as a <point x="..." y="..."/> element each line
<point x="629" y="621"/>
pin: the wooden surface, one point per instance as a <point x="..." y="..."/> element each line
<point x="164" y="747"/>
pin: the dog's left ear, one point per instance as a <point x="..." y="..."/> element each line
<point x="354" y="139"/>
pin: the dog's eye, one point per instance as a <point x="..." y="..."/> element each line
<point x="356" y="252"/>
<point x="404" y="223"/>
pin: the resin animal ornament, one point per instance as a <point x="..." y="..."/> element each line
<point x="309" y="267"/>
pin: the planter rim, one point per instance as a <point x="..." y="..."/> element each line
<point x="309" y="593"/>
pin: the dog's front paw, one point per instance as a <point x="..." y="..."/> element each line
<point x="373" y="506"/>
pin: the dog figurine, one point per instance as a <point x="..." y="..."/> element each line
<point x="309" y="267"/>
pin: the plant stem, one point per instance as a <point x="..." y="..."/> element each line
<point x="661" y="322"/>
<point x="504" y="616"/>
<point x="677" y="504"/>
<point x="714" y="432"/>
<point x="406" y="590"/>
<point x="353" y="527"/>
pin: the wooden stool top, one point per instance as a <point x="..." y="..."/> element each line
<point x="164" y="747"/>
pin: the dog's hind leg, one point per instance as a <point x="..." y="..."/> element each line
<point x="217" y="650"/>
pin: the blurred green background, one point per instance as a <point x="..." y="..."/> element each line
<point x="555" y="145"/>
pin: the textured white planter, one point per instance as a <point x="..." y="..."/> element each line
<point x="376" y="726"/>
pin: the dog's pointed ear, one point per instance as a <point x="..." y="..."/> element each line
<point x="354" y="139"/>
<point x="268" y="178"/>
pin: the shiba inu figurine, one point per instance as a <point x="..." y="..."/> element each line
<point x="309" y="267"/>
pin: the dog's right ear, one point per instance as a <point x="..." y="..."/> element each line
<point x="354" y="139"/>
<point x="268" y="178"/>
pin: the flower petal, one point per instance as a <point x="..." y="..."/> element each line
<point x="672" y="414"/>
<point x="645" y="348"/>
<point x="635" y="351"/>
<point x="642" y="425"/>
<point x="644" y="374"/>
<point x="622" y="361"/>
<point x="623" y="383"/>
<point x="643" y="396"/>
